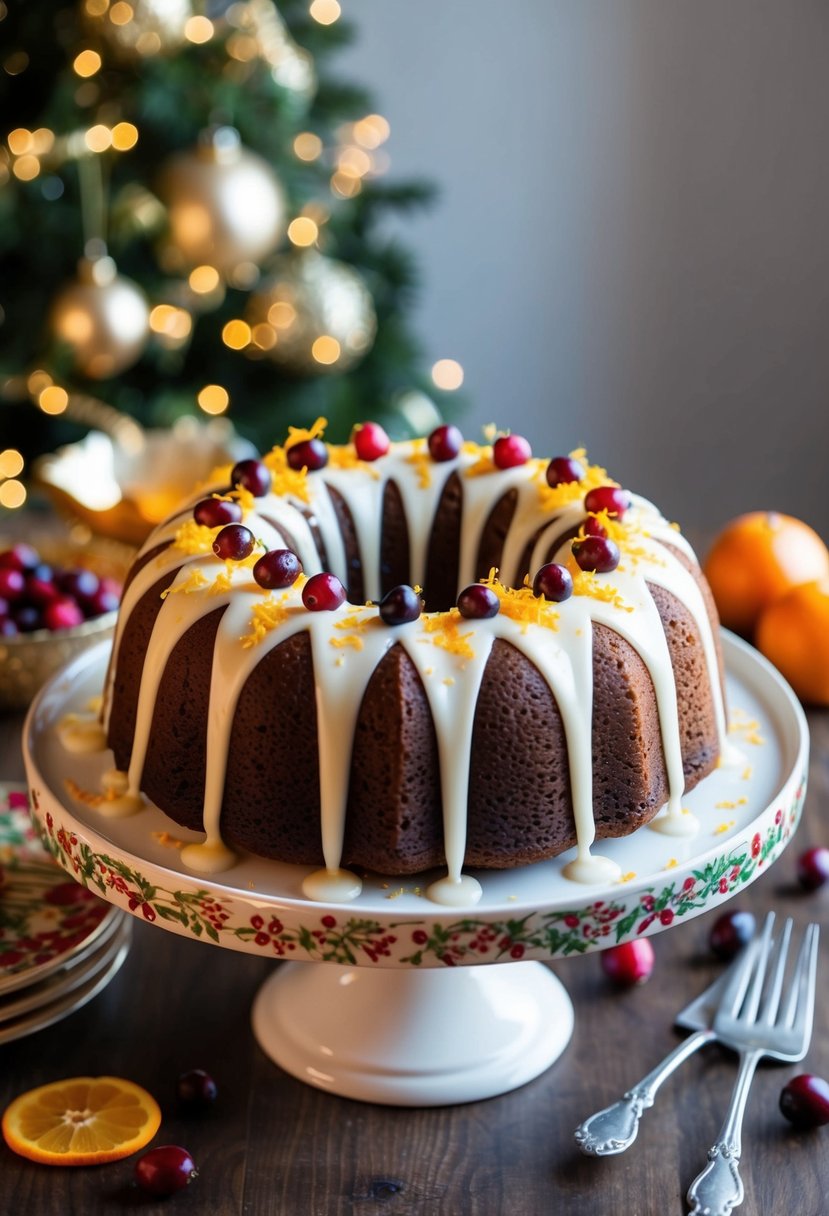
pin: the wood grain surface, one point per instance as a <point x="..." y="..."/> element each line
<point x="275" y="1147"/>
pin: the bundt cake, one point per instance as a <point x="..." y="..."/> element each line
<point x="412" y="655"/>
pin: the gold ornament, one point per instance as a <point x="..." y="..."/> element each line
<point x="225" y="206"/>
<point x="313" y="314"/>
<point x="103" y="317"/>
<point x="142" y="28"/>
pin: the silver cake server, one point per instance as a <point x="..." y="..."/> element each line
<point x="614" y="1129"/>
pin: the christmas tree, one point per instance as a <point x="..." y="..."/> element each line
<point x="191" y="221"/>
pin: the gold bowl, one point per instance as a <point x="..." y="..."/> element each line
<point x="29" y="659"/>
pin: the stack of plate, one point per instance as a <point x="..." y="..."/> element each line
<point x="60" y="945"/>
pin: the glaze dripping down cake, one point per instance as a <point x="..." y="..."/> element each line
<point x="527" y="660"/>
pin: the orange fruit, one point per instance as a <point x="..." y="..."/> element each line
<point x="756" y="559"/>
<point x="793" y="633"/>
<point x="81" y="1121"/>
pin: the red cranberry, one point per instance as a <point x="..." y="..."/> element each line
<point x="563" y="469"/>
<point x="553" y="582"/>
<point x="252" y="475"/>
<point x="478" y="603"/>
<point x="813" y="868"/>
<point x="8" y="629"/>
<point x="509" y="451"/>
<point x="805" y="1101"/>
<point x="20" y="557"/>
<point x="215" y="512"/>
<point x="196" y="1090"/>
<point x="445" y="442"/>
<point x="165" y="1170"/>
<point x="28" y="618"/>
<point x="62" y="613"/>
<point x="400" y="605"/>
<point x="276" y="569"/>
<point x="112" y="587"/>
<point x="12" y="583"/>
<point x="730" y="932"/>
<point x="80" y="584"/>
<point x="631" y="963"/>
<point x="234" y="543"/>
<point x="607" y="498"/>
<point x="597" y="554"/>
<point x="323" y="593"/>
<point x="102" y="601"/>
<point x="40" y="591"/>
<point x="310" y="454"/>
<point x="370" y="441"/>
<point x="592" y="527"/>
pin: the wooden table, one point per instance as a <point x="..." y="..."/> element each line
<point x="275" y="1146"/>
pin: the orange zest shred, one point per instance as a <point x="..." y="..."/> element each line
<point x="193" y="538"/>
<point x="444" y="632"/>
<point x="553" y="498"/>
<point x="420" y="458"/>
<point x="266" y="616"/>
<point x="299" y="434"/>
<point x="520" y="604"/>
<point x="586" y="583"/>
<point x="287" y="482"/>
<point x="195" y="581"/>
<point x="344" y="456"/>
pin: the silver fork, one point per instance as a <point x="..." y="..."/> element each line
<point x="752" y="1020"/>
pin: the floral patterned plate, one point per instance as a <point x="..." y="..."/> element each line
<point x="46" y="922"/>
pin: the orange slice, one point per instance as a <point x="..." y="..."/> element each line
<point x="81" y="1121"/>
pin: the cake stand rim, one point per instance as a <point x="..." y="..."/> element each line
<point x="545" y="941"/>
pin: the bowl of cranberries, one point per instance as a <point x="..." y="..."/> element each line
<point x="55" y="600"/>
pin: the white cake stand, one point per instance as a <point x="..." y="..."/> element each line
<point x="404" y="1013"/>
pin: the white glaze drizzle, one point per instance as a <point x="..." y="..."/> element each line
<point x="451" y="682"/>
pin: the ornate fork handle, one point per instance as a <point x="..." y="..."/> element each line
<point x="614" y="1129"/>
<point x="719" y="1188"/>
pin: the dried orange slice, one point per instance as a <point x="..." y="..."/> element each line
<point x="81" y="1121"/>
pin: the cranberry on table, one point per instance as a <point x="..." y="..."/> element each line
<point x="8" y="629"/>
<point x="596" y="554"/>
<point x="252" y="475"/>
<point x="28" y="618"/>
<point x="805" y="1101"/>
<point x="101" y="602"/>
<point x="323" y="593"/>
<point x="612" y="499"/>
<point x="165" y="1170"/>
<point x="370" y="441"/>
<point x="277" y="568"/>
<point x="730" y="932"/>
<point x="234" y="543"/>
<point x="510" y="451"/>
<point x="553" y="582"/>
<point x="80" y="584"/>
<point x="63" y="613"/>
<point x="20" y="557"/>
<point x="215" y="512"/>
<point x="630" y="963"/>
<point x="311" y="454"/>
<point x="40" y="591"/>
<point x="445" y="443"/>
<point x="400" y="605"/>
<point x="564" y="469"/>
<point x="12" y="583"/>
<point x="196" y="1089"/>
<point x="813" y="868"/>
<point x="478" y="603"/>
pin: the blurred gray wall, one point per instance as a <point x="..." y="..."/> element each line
<point x="631" y="249"/>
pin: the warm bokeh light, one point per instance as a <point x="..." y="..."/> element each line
<point x="87" y="63"/>
<point x="198" y="29"/>
<point x="307" y="146"/>
<point x="214" y="399"/>
<point x="263" y="336"/>
<point x="171" y="322"/>
<point x="204" y="279"/>
<point x="326" y="349"/>
<point x="43" y="141"/>
<point x="16" y="63"/>
<point x="282" y="314"/>
<point x="372" y="131"/>
<point x="346" y="185"/>
<point x="53" y="400"/>
<point x="447" y="374"/>
<point x="20" y="140"/>
<point x="325" y="12"/>
<point x="12" y="494"/>
<point x="96" y="8"/>
<point x="236" y="335"/>
<point x="354" y="162"/>
<point x="37" y="382"/>
<point x="26" y="168"/>
<point x="98" y="138"/>
<point x="302" y="231"/>
<point x="11" y="463"/>
<point x="124" y="136"/>
<point x="121" y="13"/>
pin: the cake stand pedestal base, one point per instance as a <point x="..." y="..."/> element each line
<point x="412" y="1037"/>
